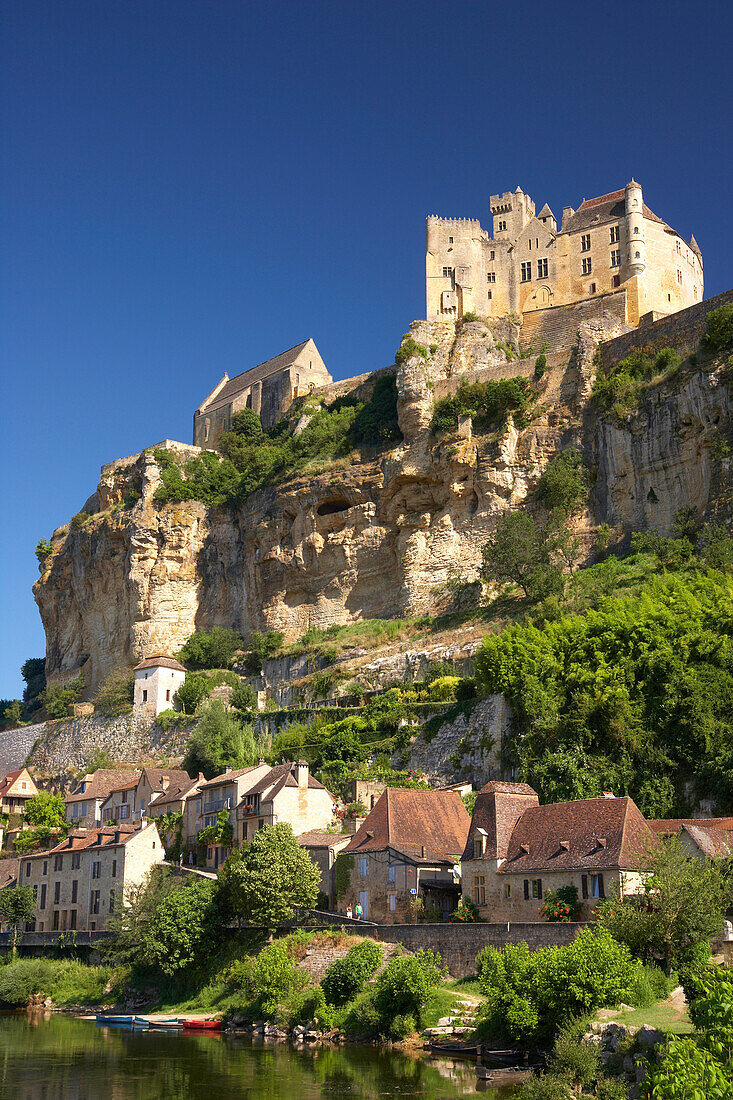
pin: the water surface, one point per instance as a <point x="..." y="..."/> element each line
<point x="61" y="1058"/>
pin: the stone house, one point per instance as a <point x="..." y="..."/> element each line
<point x="268" y="389"/>
<point x="157" y="679"/>
<point x="176" y="798"/>
<point x="366" y="791"/>
<point x="611" y="245"/>
<point x="15" y="790"/>
<point x="407" y="849"/>
<point x="323" y="848"/>
<point x="155" y="782"/>
<point x="119" y="805"/>
<point x="704" y="837"/>
<point x="84" y="878"/>
<point x="223" y="792"/>
<point x="84" y="804"/>
<point x="517" y="850"/>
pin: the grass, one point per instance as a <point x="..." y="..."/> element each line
<point x="665" y="1016"/>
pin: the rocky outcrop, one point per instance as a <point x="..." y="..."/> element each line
<point x="468" y="747"/>
<point x="371" y="536"/>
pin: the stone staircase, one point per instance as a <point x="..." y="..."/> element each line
<point x="458" y="1025"/>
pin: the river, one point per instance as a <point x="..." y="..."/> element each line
<point x="56" y="1057"/>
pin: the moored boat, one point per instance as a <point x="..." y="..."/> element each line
<point x="172" y="1024"/>
<point x="114" y="1021"/>
<point x="201" y="1025"/>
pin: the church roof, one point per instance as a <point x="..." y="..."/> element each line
<point x="256" y="374"/>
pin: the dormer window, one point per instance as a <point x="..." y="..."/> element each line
<point x="564" y="845"/>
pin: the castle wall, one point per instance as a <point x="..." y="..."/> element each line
<point x="558" y="327"/>
<point x="683" y="330"/>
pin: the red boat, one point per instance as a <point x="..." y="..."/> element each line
<point x="201" y="1025"/>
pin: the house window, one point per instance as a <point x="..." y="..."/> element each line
<point x="542" y="269"/>
<point x="592" y="288"/>
<point x="124" y="811"/>
<point x="616" y="258"/>
<point x="114" y="868"/>
<point x="97" y="869"/>
<point x="614" y="234"/>
<point x="145" y="695"/>
<point x="526" y="271"/>
<point x="479" y="889"/>
<point x="111" y="901"/>
<point x="56" y="893"/>
<point x="489" y="295"/>
<point x="168" y="695"/>
<point x="616" y="281"/>
<point x="45" y="866"/>
<point x="491" y="277"/>
<point x="587" y="267"/>
<point x="507" y="890"/>
<point x="42" y="903"/>
<point x="83" y="809"/>
<point x="447" y="272"/>
<point x="597" y="887"/>
<point x="478" y="847"/>
<point x="74" y="890"/>
<point x="56" y="915"/>
<point x="450" y="240"/>
<point x="75" y="860"/>
<point x="392" y="873"/>
<point x="585" y="242"/>
<point x="491" y="255"/>
<point x="363" y="866"/>
<point x="28" y="869"/>
<point x="533" y="889"/>
<point x="392" y="902"/>
<point x="94" y="901"/>
<point x="58" y="863"/>
<point x="72" y="919"/>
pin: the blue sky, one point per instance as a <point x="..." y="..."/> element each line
<point x="191" y="187"/>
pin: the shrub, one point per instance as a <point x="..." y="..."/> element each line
<point x="540" y="366"/>
<point x="564" y="482"/>
<point x="21" y="980"/>
<point x="220" y="740"/>
<point x="376" y="423"/>
<point x="194" y="689"/>
<point x="246" y="423"/>
<point x="58" y="698"/>
<point x="444" y="688"/>
<point x="650" y="984"/>
<point x="487" y="403"/>
<point x="115" y="696"/>
<point x="347" y="976"/>
<point x="620" y="391"/>
<point x="469" y="317"/>
<point x="719" y="322"/>
<point x="572" y="1059"/>
<point x="80" y="520"/>
<point x="260" y="647"/>
<point x="465" y="689"/>
<point x="43" y="550"/>
<point x="244" y="697"/>
<point x="561" y="904"/>
<point x="402" y="988"/>
<point x="168" y="718"/>
<point x="409" y="349"/>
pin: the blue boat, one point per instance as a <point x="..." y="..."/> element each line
<point x="133" y="1023"/>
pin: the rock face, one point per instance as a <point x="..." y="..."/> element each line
<point x="370" y="537"/>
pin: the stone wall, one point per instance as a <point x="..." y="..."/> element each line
<point x="558" y="326"/>
<point x="69" y="743"/>
<point x="15" y="746"/>
<point x="459" y="944"/>
<point x="683" y="330"/>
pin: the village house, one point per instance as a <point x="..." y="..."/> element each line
<point x="406" y="852"/>
<point x="323" y="847"/>
<point x="155" y="782"/>
<point x="703" y="837"/>
<point x="221" y="794"/>
<point x="517" y="850"/>
<point x="178" y="796"/>
<point x="84" y="804"/>
<point x="157" y="679"/>
<point x="81" y="881"/>
<point x="119" y="805"/>
<point x="15" y="790"/>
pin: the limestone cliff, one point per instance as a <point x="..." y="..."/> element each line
<point x="372" y="536"/>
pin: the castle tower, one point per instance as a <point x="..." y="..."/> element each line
<point x="635" y="241"/>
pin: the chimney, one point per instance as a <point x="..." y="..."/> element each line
<point x="301" y="773"/>
<point x="567" y="213"/>
<point x="227" y="769"/>
<point x="165" y="782"/>
<point x="608" y="794"/>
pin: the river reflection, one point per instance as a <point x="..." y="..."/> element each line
<point x="60" y="1058"/>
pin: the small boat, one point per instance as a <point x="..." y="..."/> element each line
<point x="141" y="1023"/>
<point x="115" y="1021"/>
<point x="171" y="1024"/>
<point x="201" y="1025"/>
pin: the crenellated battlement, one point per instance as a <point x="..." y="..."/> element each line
<point x="435" y="219"/>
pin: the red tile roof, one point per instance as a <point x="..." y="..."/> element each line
<point x="79" y="839"/>
<point x="101" y="783"/>
<point x="667" y="826"/>
<point x="424" y="825"/>
<point x="13" y="777"/>
<point x="174" y="793"/>
<point x="321" y="838"/>
<point x="589" y="834"/>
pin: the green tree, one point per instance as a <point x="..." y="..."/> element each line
<point x="244" y="697"/>
<point x="564" y="482"/>
<point x="57" y="698"/>
<point x="683" y="904"/>
<point x="14" y="713"/>
<point x="44" y="550"/>
<point x="46" y="809"/>
<point x="192" y="692"/>
<point x="265" y="882"/>
<point x="219" y="741"/>
<point x="519" y="552"/>
<point x="246" y="423"/>
<point x="719" y="334"/>
<point x="128" y="925"/>
<point x="115" y="695"/>
<point x="184" y="929"/>
<point x="17" y="905"/>
<point x="215" y="648"/>
<point x="260" y="647"/>
<point x="33" y="672"/>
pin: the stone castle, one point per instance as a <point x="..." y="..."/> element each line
<point x="611" y="245"/>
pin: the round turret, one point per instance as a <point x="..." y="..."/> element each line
<point x="635" y="243"/>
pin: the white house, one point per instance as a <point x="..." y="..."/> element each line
<point x="157" y="679"/>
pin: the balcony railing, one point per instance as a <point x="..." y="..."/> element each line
<point x="218" y="804"/>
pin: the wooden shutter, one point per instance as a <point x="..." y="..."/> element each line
<point x="601" y="888"/>
<point x="526" y="889"/>
<point x="539" y="888"/>
<point x="584" y="882"/>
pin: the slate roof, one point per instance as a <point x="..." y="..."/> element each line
<point x="79" y="839"/>
<point x="101" y="783"/>
<point x="256" y="374"/>
<point x="545" y="212"/>
<point x="160" y="660"/>
<point x="175" y="792"/>
<point x="13" y="777"/>
<point x="321" y="838"/>
<point x="589" y="834"/>
<point x="425" y="825"/>
<point x="712" y="842"/>
<point x="604" y="208"/>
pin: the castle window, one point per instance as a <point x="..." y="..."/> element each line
<point x="679" y="276"/>
<point x="616" y="280"/>
<point x="491" y="277"/>
<point x="592" y="288"/>
<point x="636" y="229"/>
<point x="585" y="242"/>
<point x="679" y="249"/>
<point x="447" y="272"/>
<point x="526" y="272"/>
<point x="616" y="257"/>
<point x="450" y="240"/>
<point x="587" y="266"/>
<point x="614" y="234"/>
<point x="145" y="696"/>
<point x="637" y="255"/>
<point x="489" y="295"/>
<point x="530" y="244"/>
<point x="502" y="227"/>
<point x="492" y="253"/>
<point x="694" y="293"/>
<point x="542" y="269"/>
